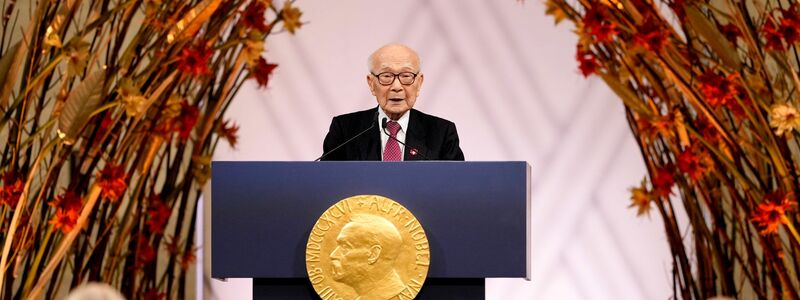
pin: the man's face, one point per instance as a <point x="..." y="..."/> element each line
<point x="348" y="259"/>
<point x="396" y="98"/>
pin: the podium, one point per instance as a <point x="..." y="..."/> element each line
<point x="476" y="216"/>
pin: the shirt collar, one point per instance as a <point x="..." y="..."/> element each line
<point x="403" y="119"/>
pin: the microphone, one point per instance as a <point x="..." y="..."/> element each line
<point x="372" y="125"/>
<point x="411" y="150"/>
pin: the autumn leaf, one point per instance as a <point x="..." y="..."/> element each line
<point x="552" y="9"/>
<point x="640" y="199"/>
<point x="80" y="104"/>
<point x="192" y="20"/>
<point x="291" y="17"/>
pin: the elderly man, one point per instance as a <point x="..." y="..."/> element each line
<point x="393" y="131"/>
<point x="364" y="257"/>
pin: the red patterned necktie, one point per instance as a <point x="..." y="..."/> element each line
<point x="392" y="150"/>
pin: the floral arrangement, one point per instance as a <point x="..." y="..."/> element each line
<point x="110" y="112"/>
<point x="711" y="94"/>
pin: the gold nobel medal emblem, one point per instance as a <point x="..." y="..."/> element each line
<point x="367" y="248"/>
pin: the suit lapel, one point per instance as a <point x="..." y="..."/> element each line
<point x="371" y="147"/>
<point x="415" y="137"/>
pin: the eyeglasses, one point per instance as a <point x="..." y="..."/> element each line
<point x="387" y="78"/>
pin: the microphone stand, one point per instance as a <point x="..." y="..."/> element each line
<point x="374" y="120"/>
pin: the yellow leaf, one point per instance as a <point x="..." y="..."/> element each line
<point x="135" y="104"/>
<point x="155" y="145"/>
<point x="51" y="37"/>
<point x="77" y="56"/>
<point x="640" y="199"/>
<point x="173" y="107"/>
<point x="612" y="3"/>
<point x="202" y="169"/>
<point x="291" y="17"/>
<point x="191" y="22"/>
<point x="253" y="47"/>
<point x="680" y="126"/>
<point x="552" y="9"/>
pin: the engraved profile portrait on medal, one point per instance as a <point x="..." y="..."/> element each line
<point x="367" y="248"/>
<point x="364" y="257"/>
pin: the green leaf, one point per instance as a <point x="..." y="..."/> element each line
<point x="81" y="102"/>
<point x="713" y="37"/>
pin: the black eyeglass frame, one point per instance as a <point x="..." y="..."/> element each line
<point x="396" y="77"/>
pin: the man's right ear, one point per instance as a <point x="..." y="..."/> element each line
<point x="371" y="86"/>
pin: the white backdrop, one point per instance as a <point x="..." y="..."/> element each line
<point x="508" y="78"/>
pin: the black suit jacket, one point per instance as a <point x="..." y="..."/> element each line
<point x="433" y="137"/>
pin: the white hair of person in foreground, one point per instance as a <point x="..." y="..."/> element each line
<point x="95" y="291"/>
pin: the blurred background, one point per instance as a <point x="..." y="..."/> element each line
<point x="507" y="76"/>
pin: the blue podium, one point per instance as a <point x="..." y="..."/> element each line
<point x="476" y="216"/>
